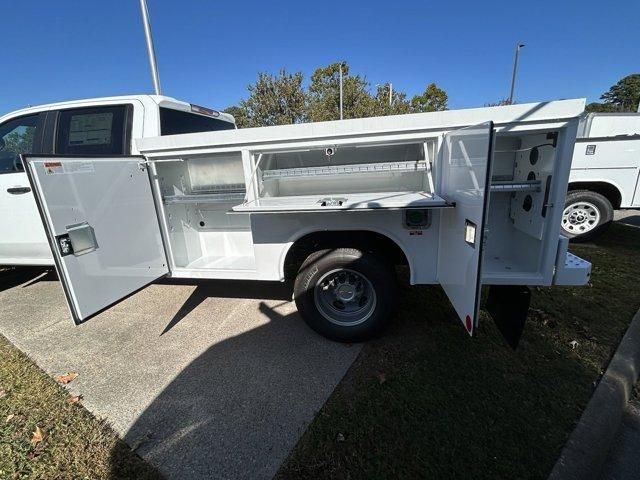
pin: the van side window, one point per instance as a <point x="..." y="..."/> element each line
<point x="175" y="122"/>
<point x="16" y="136"/>
<point x="93" y="131"/>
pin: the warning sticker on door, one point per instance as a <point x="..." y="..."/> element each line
<point x="55" y="168"/>
<point x="52" y="168"/>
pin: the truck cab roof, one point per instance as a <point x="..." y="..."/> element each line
<point x="150" y="100"/>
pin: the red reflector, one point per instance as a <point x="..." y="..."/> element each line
<point x="204" y="111"/>
<point x="467" y="323"/>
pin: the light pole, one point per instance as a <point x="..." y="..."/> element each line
<point x="515" y="71"/>
<point x="150" y="50"/>
<point x="390" y="91"/>
<point x="340" y="90"/>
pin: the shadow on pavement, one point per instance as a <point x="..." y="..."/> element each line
<point x="226" y="289"/>
<point x="25" y="276"/>
<point x="633" y="220"/>
<point x="236" y="410"/>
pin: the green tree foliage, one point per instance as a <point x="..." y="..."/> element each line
<point x="600" y="107"/>
<point x="278" y="100"/>
<point x="324" y="94"/>
<point x="273" y="100"/>
<point x="624" y="96"/>
<point x="397" y="106"/>
<point x="433" y="99"/>
<point x="239" y="113"/>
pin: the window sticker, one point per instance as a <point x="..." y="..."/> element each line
<point x="90" y="129"/>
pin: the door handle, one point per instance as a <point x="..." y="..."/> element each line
<point x="18" y="190"/>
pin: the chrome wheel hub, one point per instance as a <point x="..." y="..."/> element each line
<point x="580" y="217"/>
<point x="345" y="297"/>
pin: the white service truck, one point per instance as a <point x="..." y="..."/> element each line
<point x="605" y="173"/>
<point x="464" y="198"/>
<point x="98" y="126"/>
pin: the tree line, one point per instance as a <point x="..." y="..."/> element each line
<point x="624" y="96"/>
<point x="282" y="98"/>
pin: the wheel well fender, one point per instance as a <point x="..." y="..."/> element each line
<point x="607" y="189"/>
<point x="367" y="240"/>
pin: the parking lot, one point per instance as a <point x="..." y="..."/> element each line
<point x="215" y="379"/>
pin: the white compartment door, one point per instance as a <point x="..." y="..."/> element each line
<point x="465" y="174"/>
<point x="102" y="227"/>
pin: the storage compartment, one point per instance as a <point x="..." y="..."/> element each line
<point x="346" y="176"/>
<point x="521" y="180"/>
<point x="197" y="193"/>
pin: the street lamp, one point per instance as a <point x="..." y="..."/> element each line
<point x="515" y="70"/>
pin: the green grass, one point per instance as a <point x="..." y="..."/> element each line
<point x="455" y="407"/>
<point x="76" y="445"/>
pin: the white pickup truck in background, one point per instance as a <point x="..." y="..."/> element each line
<point x="605" y="173"/>
<point x="98" y="126"/>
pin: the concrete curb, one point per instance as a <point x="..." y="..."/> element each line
<point x="586" y="450"/>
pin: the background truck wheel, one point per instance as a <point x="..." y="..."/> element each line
<point x="586" y="214"/>
<point x="345" y="294"/>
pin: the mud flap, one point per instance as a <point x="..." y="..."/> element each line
<point x="508" y="305"/>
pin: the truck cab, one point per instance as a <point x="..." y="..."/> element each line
<point x="99" y="126"/>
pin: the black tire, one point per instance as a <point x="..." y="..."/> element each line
<point x="377" y="293"/>
<point x="581" y="228"/>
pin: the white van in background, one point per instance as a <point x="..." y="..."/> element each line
<point x="98" y="126"/>
<point x="605" y="173"/>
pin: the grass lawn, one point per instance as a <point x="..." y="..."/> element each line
<point x="70" y="444"/>
<point x="426" y="401"/>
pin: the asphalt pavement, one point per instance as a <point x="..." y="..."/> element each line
<point x="205" y="379"/>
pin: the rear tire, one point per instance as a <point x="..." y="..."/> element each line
<point x="345" y="294"/>
<point x="586" y="215"/>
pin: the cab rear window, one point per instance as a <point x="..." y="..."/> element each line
<point x="176" y="122"/>
<point x="92" y="131"/>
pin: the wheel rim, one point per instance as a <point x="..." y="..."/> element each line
<point x="345" y="297"/>
<point x="580" y="217"/>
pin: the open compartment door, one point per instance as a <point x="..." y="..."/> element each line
<point x="102" y="226"/>
<point x="465" y="175"/>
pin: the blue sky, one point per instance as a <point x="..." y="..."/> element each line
<point x="210" y="50"/>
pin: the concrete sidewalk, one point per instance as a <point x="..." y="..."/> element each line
<point x="623" y="462"/>
<point x="208" y="379"/>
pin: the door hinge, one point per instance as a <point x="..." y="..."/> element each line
<point x="142" y="164"/>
